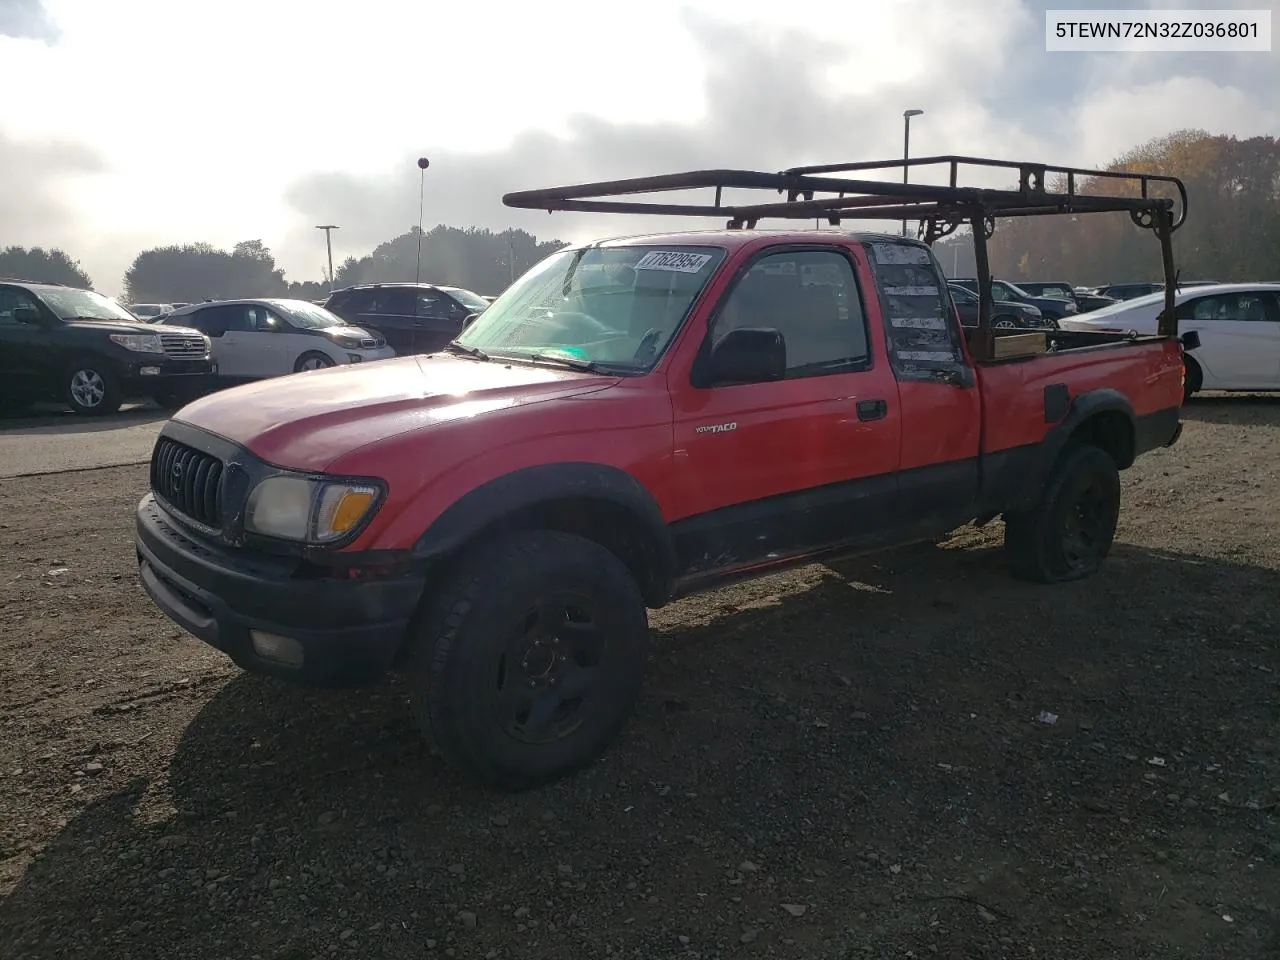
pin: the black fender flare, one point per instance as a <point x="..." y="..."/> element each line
<point x="1083" y="408"/>
<point x="513" y="493"/>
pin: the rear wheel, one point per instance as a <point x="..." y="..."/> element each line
<point x="1068" y="532"/>
<point x="1004" y="323"/>
<point x="528" y="662"/>
<point x="312" y="360"/>
<point x="1193" y="378"/>
<point x="91" y="389"/>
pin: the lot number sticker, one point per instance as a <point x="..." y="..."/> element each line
<point x="673" y="261"/>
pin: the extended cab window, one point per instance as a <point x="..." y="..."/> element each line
<point x="811" y="297"/>
<point x="924" y="337"/>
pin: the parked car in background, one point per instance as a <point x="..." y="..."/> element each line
<point x="414" y="317"/>
<point x="1006" y="315"/>
<point x="1053" y="308"/>
<point x="84" y="349"/>
<point x="255" y="339"/>
<point x="149" y="311"/>
<point x="1130" y="291"/>
<point x="1084" y="301"/>
<point x="1238" y="325"/>
<point x="1127" y="291"/>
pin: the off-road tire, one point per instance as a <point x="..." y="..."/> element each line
<point x="312" y="355"/>
<point x="1037" y="540"/>
<point x="1193" y="378"/>
<point x="466" y="629"/>
<point x="89" y="374"/>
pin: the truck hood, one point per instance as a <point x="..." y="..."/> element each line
<point x="305" y="421"/>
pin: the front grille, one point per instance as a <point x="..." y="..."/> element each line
<point x="187" y="479"/>
<point x="368" y="343"/>
<point x="183" y="346"/>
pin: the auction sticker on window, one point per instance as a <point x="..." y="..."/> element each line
<point x="674" y="261"/>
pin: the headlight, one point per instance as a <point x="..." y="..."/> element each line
<point x="138" y="342"/>
<point x="349" y="343"/>
<point x="1071" y="307"/>
<point x="308" y="511"/>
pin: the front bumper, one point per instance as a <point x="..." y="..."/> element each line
<point x="369" y="355"/>
<point x="339" y="632"/>
<point x="155" y="374"/>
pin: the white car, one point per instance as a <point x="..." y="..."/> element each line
<point x="256" y="339"/>
<point x="1238" y="324"/>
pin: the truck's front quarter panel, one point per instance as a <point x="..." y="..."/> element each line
<point x="625" y="427"/>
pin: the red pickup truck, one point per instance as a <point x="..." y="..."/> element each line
<point x="632" y="421"/>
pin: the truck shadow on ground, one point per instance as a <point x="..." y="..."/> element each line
<point x="866" y="734"/>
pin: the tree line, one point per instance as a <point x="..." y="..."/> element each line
<point x="476" y="259"/>
<point x="1232" y="232"/>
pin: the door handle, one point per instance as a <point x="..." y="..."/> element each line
<point x="872" y="409"/>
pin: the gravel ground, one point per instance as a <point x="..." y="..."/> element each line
<point x="908" y="757"/>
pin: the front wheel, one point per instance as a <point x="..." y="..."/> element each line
<point x="1068" y="532"/>
<point x="92" y="389"/>
<point x="528" y="662"/>
<point x="312" y="360"/>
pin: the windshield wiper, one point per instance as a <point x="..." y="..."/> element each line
<point x="573" y="363"/>
<point x="466" y="351"/>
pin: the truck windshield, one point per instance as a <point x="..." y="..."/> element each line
<point x="615" y="306"/>
<point x="71" y="304"/>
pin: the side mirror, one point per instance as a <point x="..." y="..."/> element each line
<point x="1190" y="340"/>
<point x="26" y="314"/>
<point x="748" y="355"/>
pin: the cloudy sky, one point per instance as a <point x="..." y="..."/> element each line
<point x="143" y="122"/>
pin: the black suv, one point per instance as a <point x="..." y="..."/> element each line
<point x="1005" y="314"/>
<point x="414" y="317"/>
<point x="1052" y="307"/>
<point x="77" y="346"/>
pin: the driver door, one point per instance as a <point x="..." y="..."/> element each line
<point x="26" y="358"/>
<point x="792" y="466"/>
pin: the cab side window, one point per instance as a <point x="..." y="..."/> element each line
<point x="811" y="298"/>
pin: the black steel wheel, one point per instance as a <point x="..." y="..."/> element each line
<point x="529" y="660"/>
<point x="1068" y="532"/>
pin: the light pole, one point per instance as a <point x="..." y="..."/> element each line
<point x="906" y="149"/>
<point x="328" y="229"/>
<point x="423" y="163"/>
